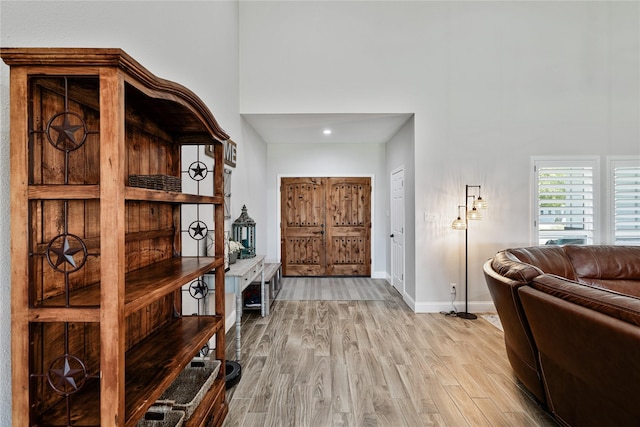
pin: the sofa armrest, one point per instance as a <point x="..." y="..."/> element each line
<point x="519" y="344"/>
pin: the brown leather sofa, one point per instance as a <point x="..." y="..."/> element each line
<point x="571" y="320"/>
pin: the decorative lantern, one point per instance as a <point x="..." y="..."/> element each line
<point x="244" y="231"/>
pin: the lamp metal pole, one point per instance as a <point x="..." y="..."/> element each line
<point x="465" y="314"/>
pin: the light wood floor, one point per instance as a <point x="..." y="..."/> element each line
<point x="373" y="363"/>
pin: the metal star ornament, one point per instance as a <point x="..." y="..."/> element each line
<point x="67" y="380"/>
<point x="65" y="253"/>
<point x="198" y="289"/>
<point x="197" y="230"/>
<point x="198" y="171"/>
<point x="67" y="139"/>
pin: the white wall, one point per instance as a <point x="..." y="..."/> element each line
<point x="490" y="83"/>
<point x="399" y="154"/>
<point x="286" y="160"/>
<point x="192" y="43"/>
<point x="248" y="185"/>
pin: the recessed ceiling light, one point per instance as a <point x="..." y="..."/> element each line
<point x="327" y="131"/>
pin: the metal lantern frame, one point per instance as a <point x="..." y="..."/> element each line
<point x="244" y="232"/>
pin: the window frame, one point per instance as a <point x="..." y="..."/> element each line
<point x="610" y="218"/>
<point x="566" y="161"/>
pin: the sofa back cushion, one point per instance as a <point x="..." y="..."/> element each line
<point x="546" y="259"/>
<point x="610" y="267"/>
<point x="610" y="303"/>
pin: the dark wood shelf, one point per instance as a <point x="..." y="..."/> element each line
<point x="87" y="192"/>
<point x="144" y="194"/>
<point x="151" y="366"/>
<point x="142" y="286"/>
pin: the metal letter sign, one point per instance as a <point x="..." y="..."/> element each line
<point x="230" y="151"/>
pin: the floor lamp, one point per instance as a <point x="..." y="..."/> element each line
<point x="473" y="211"/>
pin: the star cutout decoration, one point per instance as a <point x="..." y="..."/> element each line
<point x="204" y="351"/>
<point x="66" y="133"/>
<point x="64" y="252"/>
<point x="197" y="230"/>
<point x="66" y="378"/>
<point x="198" y="171"/>
<point x="198" y="289"/>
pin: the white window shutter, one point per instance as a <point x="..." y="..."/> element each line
<point x="626" y="203"/>
<point x="565" y="202"/>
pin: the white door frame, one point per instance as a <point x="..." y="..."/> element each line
<point x="397" y="228"/>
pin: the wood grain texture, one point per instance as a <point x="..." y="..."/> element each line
<point x="333" y="289"/>
<point x="326" y="226"/>
<point x="374" y="363"/>
<point x="94" y="272"/>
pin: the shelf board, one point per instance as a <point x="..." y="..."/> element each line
<point x="80" y="192"/>
<point x="151" y="283"/>
<point x="141" y="286"/>
<point x="64" y="192"/>
<point x="151" y="367"/>
<point x="144" y="194"/>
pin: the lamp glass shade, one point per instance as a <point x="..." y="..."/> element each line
<point x="474" y="214"/>
<point x="480" y="203"/>
<point x="459" y="224"/>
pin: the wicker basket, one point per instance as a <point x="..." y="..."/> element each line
<point x="162" y="417"/>
<point x="156" y="182"/>
<point x="187" y="391"/>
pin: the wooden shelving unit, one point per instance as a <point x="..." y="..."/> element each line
<point x="99" y="268"/>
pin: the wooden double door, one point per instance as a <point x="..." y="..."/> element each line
<point x="326" y="226"/>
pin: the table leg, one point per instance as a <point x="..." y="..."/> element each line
<point x="264" y="307"/>
<point x="238" y="320"/>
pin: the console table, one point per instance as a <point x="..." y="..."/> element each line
<point x="237" y="278"/>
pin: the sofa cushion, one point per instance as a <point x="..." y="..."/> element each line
<point x="589" y="359"/>
<point x="611" y="303"/>
<point x="547" y="259"/>
<point x="610" y="267"/>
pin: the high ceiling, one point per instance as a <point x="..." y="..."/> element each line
<point x="371" y="128"/>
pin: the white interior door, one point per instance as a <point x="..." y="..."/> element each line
<point x="397" y="230"/>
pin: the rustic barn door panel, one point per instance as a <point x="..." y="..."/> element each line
<point x="303" y="213"/>
<point x="326" y="226"/>
<point x="349" y="227"/>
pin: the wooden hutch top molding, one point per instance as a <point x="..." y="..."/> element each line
<point x="154" y="86"/>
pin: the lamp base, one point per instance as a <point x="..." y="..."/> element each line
<point x="465" y="315"/>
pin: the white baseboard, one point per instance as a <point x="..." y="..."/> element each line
<point x="380" y="275"/>
<point x="409" y="301"/>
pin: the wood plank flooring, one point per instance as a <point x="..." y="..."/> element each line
<point x="373" y="363"/>
<point x="334" y="288"/>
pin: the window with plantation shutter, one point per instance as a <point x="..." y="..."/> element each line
<point x="625" y="200"/>
<point x="565" y="211"/>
